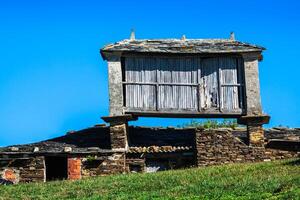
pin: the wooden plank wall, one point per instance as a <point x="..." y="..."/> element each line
<point x="191" y="83"/>
<point x="184" y="73"/>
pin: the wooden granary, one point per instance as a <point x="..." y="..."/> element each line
<point x="185" y="78"/>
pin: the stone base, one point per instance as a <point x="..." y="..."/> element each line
<point x="254" y="119"/>
<point x="118" y="136"/>
<point x="254" y="128"/>
<point x="118" y="131"/>
<point x="256" y="135"/>
<point x="119" y="118"/>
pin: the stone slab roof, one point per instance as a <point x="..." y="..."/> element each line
<point x="86" y="140"/>
<point x="97" y="140"/>
<point x="182" y="46"/>
<point x="141" y="140"/>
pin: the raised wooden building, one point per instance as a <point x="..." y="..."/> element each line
<point x="183" y="78"/>
<point x="186" y="78"/>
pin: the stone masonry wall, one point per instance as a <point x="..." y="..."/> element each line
<point x="23" y="169"/>
<point x="220" y="147"/>
<point x="135" y="165"/>
<point x="118" y="136"/>
<point x="208" y="147"/>
<point x="103" y="165"/>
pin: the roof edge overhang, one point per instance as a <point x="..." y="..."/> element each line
<point x="177" y="46"/>
<point x="105" y="54"/>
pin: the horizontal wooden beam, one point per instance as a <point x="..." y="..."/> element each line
<point x="231" y="85"/>
<point x="156" y="83"/>
<point x="179" y="84"/>
<point x="186" y="114"/>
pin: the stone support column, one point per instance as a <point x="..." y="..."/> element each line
<point x="115" y="84"/>
<point x="119" y="131"/>
<point x="252" y="87"/>
<point x="118" y="135"/>
<point x="254" y="118"/>
<point x="255" y="134"/>
<point x="255" y="130"/>
<point x="119" y="142"/>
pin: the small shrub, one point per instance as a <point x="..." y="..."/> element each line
<point x="211" y="124"/>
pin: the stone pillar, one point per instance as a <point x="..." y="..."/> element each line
<point x="119" y="131"/>
<point x="255" y="134"/>
<point x="252" y="87"/>
<point x="255" y="130"/>
<point x="254" y="118"/>
<point x="115" y="84"/>
<point x="118" y="135"/>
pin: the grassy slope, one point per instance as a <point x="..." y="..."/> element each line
<point x="272" y="180"/>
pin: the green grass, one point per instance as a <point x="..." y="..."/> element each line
<point x="272" y="180"/>
<point x="211" y="124"/>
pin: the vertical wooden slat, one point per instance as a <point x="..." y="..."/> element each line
<point x="240" y="81"/>
<point x="210" y="84"/>
<point x="229" y="94"/>
<point x="220" y="81"/>
<point x="211" y="75"/>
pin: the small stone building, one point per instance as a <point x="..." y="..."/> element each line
<point x="193" y="78"/>
<point x="88" y="152"/>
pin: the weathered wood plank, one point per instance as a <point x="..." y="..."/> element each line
<point x="182" y="83"/>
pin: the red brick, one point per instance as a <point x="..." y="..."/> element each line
<point x="74" y="168"/>
<point x="10" y="175"/>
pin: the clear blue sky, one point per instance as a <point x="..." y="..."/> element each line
<point x="53" y="80"/>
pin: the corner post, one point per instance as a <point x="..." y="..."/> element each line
<point x="254" y="118"/>
<point x="252" y="86"/>
<point x="115" y="83"/>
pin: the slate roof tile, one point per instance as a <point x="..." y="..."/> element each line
<point x="182" y="46"/>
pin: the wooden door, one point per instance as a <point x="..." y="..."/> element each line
<point x="229" y="84"/>
<point x="178" y="84"/>
<point x="209" y="85"/>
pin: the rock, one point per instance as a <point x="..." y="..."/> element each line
<point x="68" y="149"/>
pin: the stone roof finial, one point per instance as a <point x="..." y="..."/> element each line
<point x="232" y="37"/>
<point x="183" y="38"/>
<point x="132" y="34"/>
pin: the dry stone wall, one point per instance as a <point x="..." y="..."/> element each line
<point x="23" y="169"/>
<point x="221" y="146"/>
<point x="100" y="165"/>
<point x="118" y="136"/>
